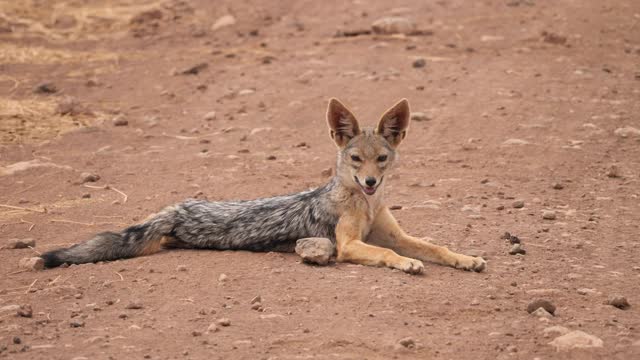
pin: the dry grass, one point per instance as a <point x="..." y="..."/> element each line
<point x="14" y="54"/>
<point x="24" y="121"/>
<point x="90" y="20"/>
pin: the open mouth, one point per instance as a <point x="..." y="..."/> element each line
<point x="369" y="190"/>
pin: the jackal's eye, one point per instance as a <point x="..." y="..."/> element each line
<point x="382" y="158"/>
<point x="356" y="158"/>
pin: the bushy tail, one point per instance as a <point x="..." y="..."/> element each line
<point x="136" y="240"/>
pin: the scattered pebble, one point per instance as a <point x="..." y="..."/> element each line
<point x="557" y="329"/>
<point x="223" y="278"/>
<point x="614" y="171"/>
<point x="542" y="313"/>
<point x="224" y="21"/>
<point x="194" y="70"/>
<point x="19" y="243"/>
<point x="120" y="120"/>
<point x="557" y="186"/>
<point x="576" y="340"/>
<point x="25" y="311"/>
<point x="46" y="88"/>
<point x="86" y="177"/>
<point x="327" y="172"/>
<point x="32" y="263"/>
<point x="619" y="302"/>
<point x="627" y="131"/>
<point x="549" y="215"/>
<point x="134" y="305"/>
<point x="315" y="250"/>
<point x="419" y="63"/>
<point x="419" y="116"/>
<point x="210" y="116"/>
<point x="181" y="268"/>
<point x="212" y="328"/>
<point x="586" y="291"/>
<point x="76" y="323"/>
<point x="224" y="322"/>
<point x="271" y="157"/>
<point x="393" y="25"/>
<point x="541" y="303"/>
<point x="517" y="249"/>
<point x="17" y="340"/>
<point x="515" y="142"/>
<point x="518" y="204"/>
<point x="552" y="38"/>
<point x="408" y="343"/>
<point x="86" y="196"/>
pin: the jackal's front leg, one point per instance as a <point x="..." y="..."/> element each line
<point x="351" y="248"/>
<point x="386" y="232"/>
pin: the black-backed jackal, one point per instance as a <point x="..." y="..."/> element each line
<point x="349" y="210"/>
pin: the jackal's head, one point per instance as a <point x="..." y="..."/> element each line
<point x="366" y="154"/>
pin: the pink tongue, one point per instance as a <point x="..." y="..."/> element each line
<point x="369" y="190"/>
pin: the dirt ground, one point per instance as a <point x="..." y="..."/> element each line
<point x="522" y="100"/>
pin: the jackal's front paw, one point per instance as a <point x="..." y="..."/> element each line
<point x="408" y="265"/>
<point x="465" y="262"/>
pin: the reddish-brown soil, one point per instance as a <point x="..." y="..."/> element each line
<point x="512" y="111"/>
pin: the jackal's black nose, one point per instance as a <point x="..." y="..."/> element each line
<point x="370" y="181"/>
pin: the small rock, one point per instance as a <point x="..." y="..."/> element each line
<point x="210" y="116"/>
<point x="614" y="171"/>
<point x="195" y="333"/>
<point x="19" y="243"/>
<point x="244" y="92"/>
<point x="408" y="342"/>
<point x="541" y="303"/>
<point x="32" y="263"/>
<point x="541" y="312"/>
<point x="618" y="301"/>
<point x="223" y="278"/>
<point x="212" y="328"/>
<point x="271" y="157"/>
<point x="224" y="322"/>
<point x="517" y="249"/>
<point x="585" y="291"/>
<point x="557" y="186"/>
<point x="86" y="196"/>
<point x="134" y="305"/>
<point x="181" y="268"/>
<point x="224" y="21"/>
<point x="315" y="250"/>
<point x="552" y="38"/>
<point x="76" y="323"/>
<point x="256" y="306"/>
<point x="395" y="207"/>
<point x="327" y="172"/>
<point x="549" y="215"/>
<point x="393" y="25"/>
<point x="86" y="177"/>
<point x="518" y="204"/>
<point x="576" y="340"/>
<point x="195" y="69"/>
<point x="419" y="63"/>
<point x="120" y="120"/>
<point x="25" y="311"/>
<point x="627" y="131"/>
<point x="557" y="329"/>
<point x="419" y="116"/>
<point x="515" y="142"/>
<point x="17" y="340"/>
<point x="46" y="88"/>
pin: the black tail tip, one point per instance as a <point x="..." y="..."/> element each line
<point x="52" y="259"/>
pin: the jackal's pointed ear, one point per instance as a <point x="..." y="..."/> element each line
<point x="343" y="126"/>
<point x="394" y="124"/>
